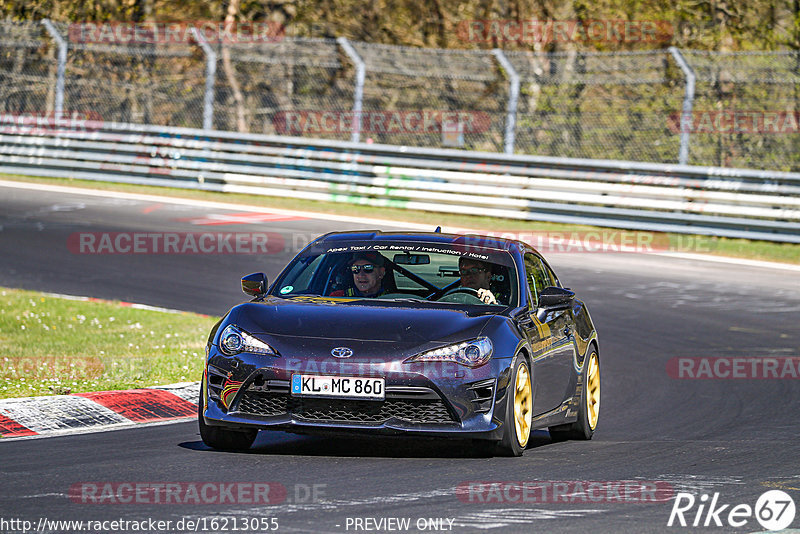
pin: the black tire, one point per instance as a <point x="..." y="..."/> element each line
<point x="221" y="438"/>
<point x="519" y="410"/>
<point x="584" y="427"/>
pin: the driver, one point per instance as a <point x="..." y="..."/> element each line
<point x="477" y="274"/>
<point x="368" y="269"/>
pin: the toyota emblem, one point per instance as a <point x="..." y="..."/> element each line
<point x="341" y="352"/>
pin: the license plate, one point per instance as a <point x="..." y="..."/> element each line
<point x="338" y="387"/>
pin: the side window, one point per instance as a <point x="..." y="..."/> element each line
<point x="536" y="277"/>
<point x="551" y="275"/>
<point x="301" y="275"/>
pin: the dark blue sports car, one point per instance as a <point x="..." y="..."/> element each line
<point x="428" y="334"/>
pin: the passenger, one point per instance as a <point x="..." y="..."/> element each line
<point x="368" y="269"/>
<point x="477" y="274"/>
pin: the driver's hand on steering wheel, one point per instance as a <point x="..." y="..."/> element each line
<point x="487" y="296"/>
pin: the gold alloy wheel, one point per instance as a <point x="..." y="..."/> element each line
<point x="522" y="405"/>
<point x="593" y="390"/>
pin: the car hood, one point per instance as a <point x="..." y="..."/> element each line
<point x="359" y="321"/>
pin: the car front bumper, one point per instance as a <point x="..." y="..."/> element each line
<point x="433" y="399"/>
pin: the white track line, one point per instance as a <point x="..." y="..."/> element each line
<point x="210" y="204"/>
<point x="730" y="260"/>
<point x="97" y="429"/>
<point x="345" y="218"/>
<point x="120" y="303"/>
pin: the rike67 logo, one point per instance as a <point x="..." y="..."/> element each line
<point x="774" y="510"/>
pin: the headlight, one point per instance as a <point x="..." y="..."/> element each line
<point x="469" y="353"/>
<point x="234" y="340"/>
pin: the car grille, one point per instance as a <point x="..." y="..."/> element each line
<point x="345" y="411"/>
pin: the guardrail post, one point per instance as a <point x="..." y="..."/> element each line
<point x="688" y="102"/>
<point x="62" y="66"/>
<point x="513" y="98"/>
<point x="211" y="76"/>
<point x="361" y="73"/>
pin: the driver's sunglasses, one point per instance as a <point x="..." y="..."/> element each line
<point x="368" y="268"/>
<point x="471" y="270"/>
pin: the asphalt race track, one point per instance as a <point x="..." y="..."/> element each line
<point x="734" y="437"/>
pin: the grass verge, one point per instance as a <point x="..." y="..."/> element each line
<point x="55" y="346"/>
<point x="721" y="246"/>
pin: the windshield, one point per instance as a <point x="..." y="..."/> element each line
<point x="430" y="272"/>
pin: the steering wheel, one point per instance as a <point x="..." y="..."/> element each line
<point x="456" y="290"/>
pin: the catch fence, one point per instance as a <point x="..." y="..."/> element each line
<point x="664" y="106"/>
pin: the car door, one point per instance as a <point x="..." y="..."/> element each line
<point x="551" y="335"/>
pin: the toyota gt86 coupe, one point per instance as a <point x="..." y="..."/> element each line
<point x="424" y="334"/>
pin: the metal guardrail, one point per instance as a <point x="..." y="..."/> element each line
<point x="743" y="203"/>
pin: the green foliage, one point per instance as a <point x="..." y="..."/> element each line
<point x="702" y="24"/>
<point x="559" y="114"/>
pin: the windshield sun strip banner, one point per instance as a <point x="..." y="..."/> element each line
<point x="476" y="251"/>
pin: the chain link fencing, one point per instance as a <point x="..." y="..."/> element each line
<point x="743" y="111"/>
<point x="273" y="88"/>
<point x="28" y="68"/>
<point x="142" y="83"/>
<point x="603" y="106"/>
<point x="764" y="88"/>
<point x="452" y="98"/>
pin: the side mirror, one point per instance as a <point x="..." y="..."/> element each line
<point x="522" y="315"/>
<point x="555" y="297"/>
<point x="255" y="284"/>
